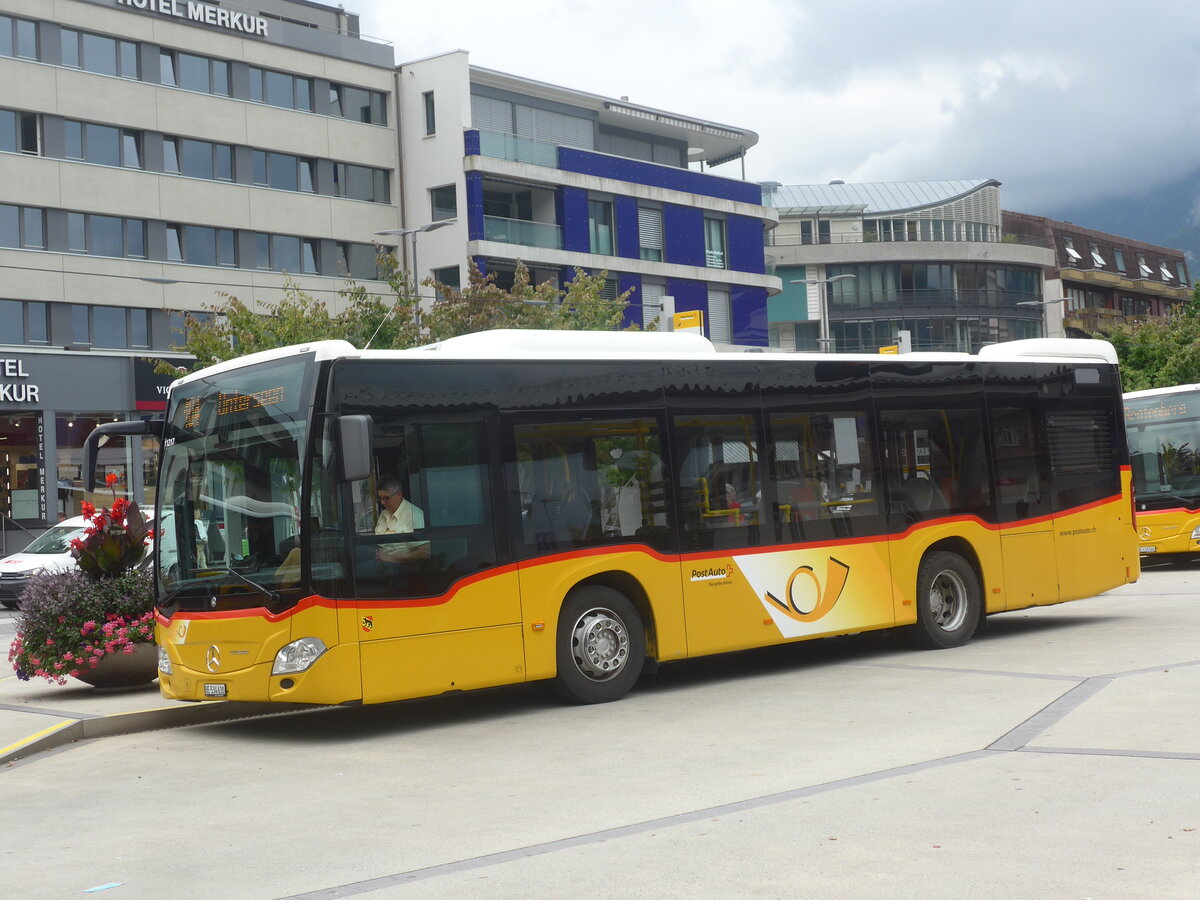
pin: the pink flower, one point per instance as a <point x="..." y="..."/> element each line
<point x="128" y="649"/>
<point x="49" y="642"/>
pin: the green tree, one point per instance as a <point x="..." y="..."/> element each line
<point x="1160" y="354"/>
<point x="232" y="328"/>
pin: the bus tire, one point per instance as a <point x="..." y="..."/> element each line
<point x="949" y="602"/>
<point x="8" y="604"/>
<point x="601" y="645"/>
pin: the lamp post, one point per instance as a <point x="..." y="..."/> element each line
<point x="413" y="232"/>
<point x="824" y="342"/>
<point x="1044" y="305"/>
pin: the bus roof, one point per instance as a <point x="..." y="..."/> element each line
<point x="508" y="344"/>
<point x="1158" y="392"/>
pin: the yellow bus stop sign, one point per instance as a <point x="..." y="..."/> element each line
<point x="689" y="318"/>
<point x="891" y="348"/>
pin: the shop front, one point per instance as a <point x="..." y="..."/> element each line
<point x="49" y="401"/>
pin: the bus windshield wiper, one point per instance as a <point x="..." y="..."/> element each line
<point x="266" y="592"/>
<point x="1191" y="502"/>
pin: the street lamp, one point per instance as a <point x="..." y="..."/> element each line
<point x="1043" y="305"/>
<point x="825" y="342"/>
<point x="413" y="232"/>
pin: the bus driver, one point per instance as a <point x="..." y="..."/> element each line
<point x="398" y="516"/>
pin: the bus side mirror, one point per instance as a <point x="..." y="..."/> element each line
<point x="98" y="435"/>
<point x="354" y="445"/>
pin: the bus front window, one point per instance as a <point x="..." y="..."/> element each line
<point x="230" y="489"/>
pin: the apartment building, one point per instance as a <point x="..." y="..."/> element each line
<point x="520" y="170"/>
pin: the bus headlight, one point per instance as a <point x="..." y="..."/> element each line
<point x="164" y="662"/>
<point x="298" y="656"/>
<point x="1196" y="533"/>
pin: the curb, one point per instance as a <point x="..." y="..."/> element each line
<point x="92" y="727"/>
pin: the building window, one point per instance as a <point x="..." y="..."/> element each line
<point x="358" y="104"/>
<point x="1119" y="260"/>
<point x="1096" y="257"/>
<point x="1143" y="269"/>
<point x="139" y="328"/>
<point x="361" y="183"/>
<point x="99" y="54"/>
<point x="357" y="260"/>
<point x="430" y="117"/>
<point x="20" y="132"/>
<point x="1072" y="253"/>
<point x="102" y="144"/>
<point x="1182" y="273"/>
<point x="81" y="324"/>
<point x="714" y="243"/>
<point x="280" y="89"/>
<point x="1166" y="273"/>
<point x="106" y="235"/>
<point x="23" y="322"/>
<point x="18" y="37"/>
<point x="600" y="226"/>
<point x="448" y="276"/>
<point x="193" y="73"/>
<point x="443" y="202"/>
<point x="22" y="227"/>
<point x="109" y="327"/>
<point x="650" y="233"/>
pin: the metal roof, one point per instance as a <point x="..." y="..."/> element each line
<point x="873" y="198"/>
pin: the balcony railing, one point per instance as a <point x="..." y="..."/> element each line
<point x="518" y="149"/>
<point x="846" y="304"/>
<point x="523" y="232"/>
<point x="795" y="240"/>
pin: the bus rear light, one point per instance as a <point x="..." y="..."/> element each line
<point x="298" y="656"/>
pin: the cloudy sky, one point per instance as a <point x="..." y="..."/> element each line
<point x="1062" y="103"/>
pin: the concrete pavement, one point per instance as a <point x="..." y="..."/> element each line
<point x="1056" y="755"/>
<point x="36" y="715"/>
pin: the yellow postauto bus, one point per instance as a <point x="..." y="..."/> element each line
<point x="1163" y="425"/>
<point x="585" y="506"/>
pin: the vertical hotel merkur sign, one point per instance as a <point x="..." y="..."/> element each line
<point x="205" y="13"/>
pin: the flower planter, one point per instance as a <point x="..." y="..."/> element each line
<point x="123" y="669"/>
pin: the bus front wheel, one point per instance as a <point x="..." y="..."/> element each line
<point x="949" y="602"/>
<point x="601" y="645"/>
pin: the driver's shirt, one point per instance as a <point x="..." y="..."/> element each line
<point x="405" y="520"/>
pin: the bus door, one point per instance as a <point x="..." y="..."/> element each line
<point x="437" y="608"/>
<point x="586" y="500"/>
<point x="1021" y="472"/>
<point x="1084" y="429"/>
<point x="935" y="471"/>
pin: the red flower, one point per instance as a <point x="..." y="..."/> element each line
<point x="88" y="510"/>
<point x="110" y="479"/>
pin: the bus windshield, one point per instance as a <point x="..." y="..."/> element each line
<point x="230" y="488"/>
<point x="1163" y="431"/>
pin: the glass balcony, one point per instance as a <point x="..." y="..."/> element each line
<point x="520" y="231"/>
<point x="509" y="146"/>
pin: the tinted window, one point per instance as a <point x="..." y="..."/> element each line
<point x="99" y="54"/>
<point x="720" y="480"/>
<point x="109" y="325"/>
<point x="578" y="483"/>
<point x="12" y="321"/>
<point x="199" y="246"/>
<point x="196" y="158"/>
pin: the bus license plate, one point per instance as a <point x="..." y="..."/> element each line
<point x="1147" y="549"/>
<point x="214" y="690"/>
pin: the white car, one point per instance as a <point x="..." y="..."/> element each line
<point x="49" y="553"/>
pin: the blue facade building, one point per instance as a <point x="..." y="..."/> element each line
<point x="559" y="179"/>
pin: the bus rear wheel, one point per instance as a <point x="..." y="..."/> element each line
<point x="601" y="645"/>
<point x="949" y="602"/>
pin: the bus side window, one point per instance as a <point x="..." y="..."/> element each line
<point x="582" y="483"/>
<point x="935" y="462"/>
<point x="719" y="478"/>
